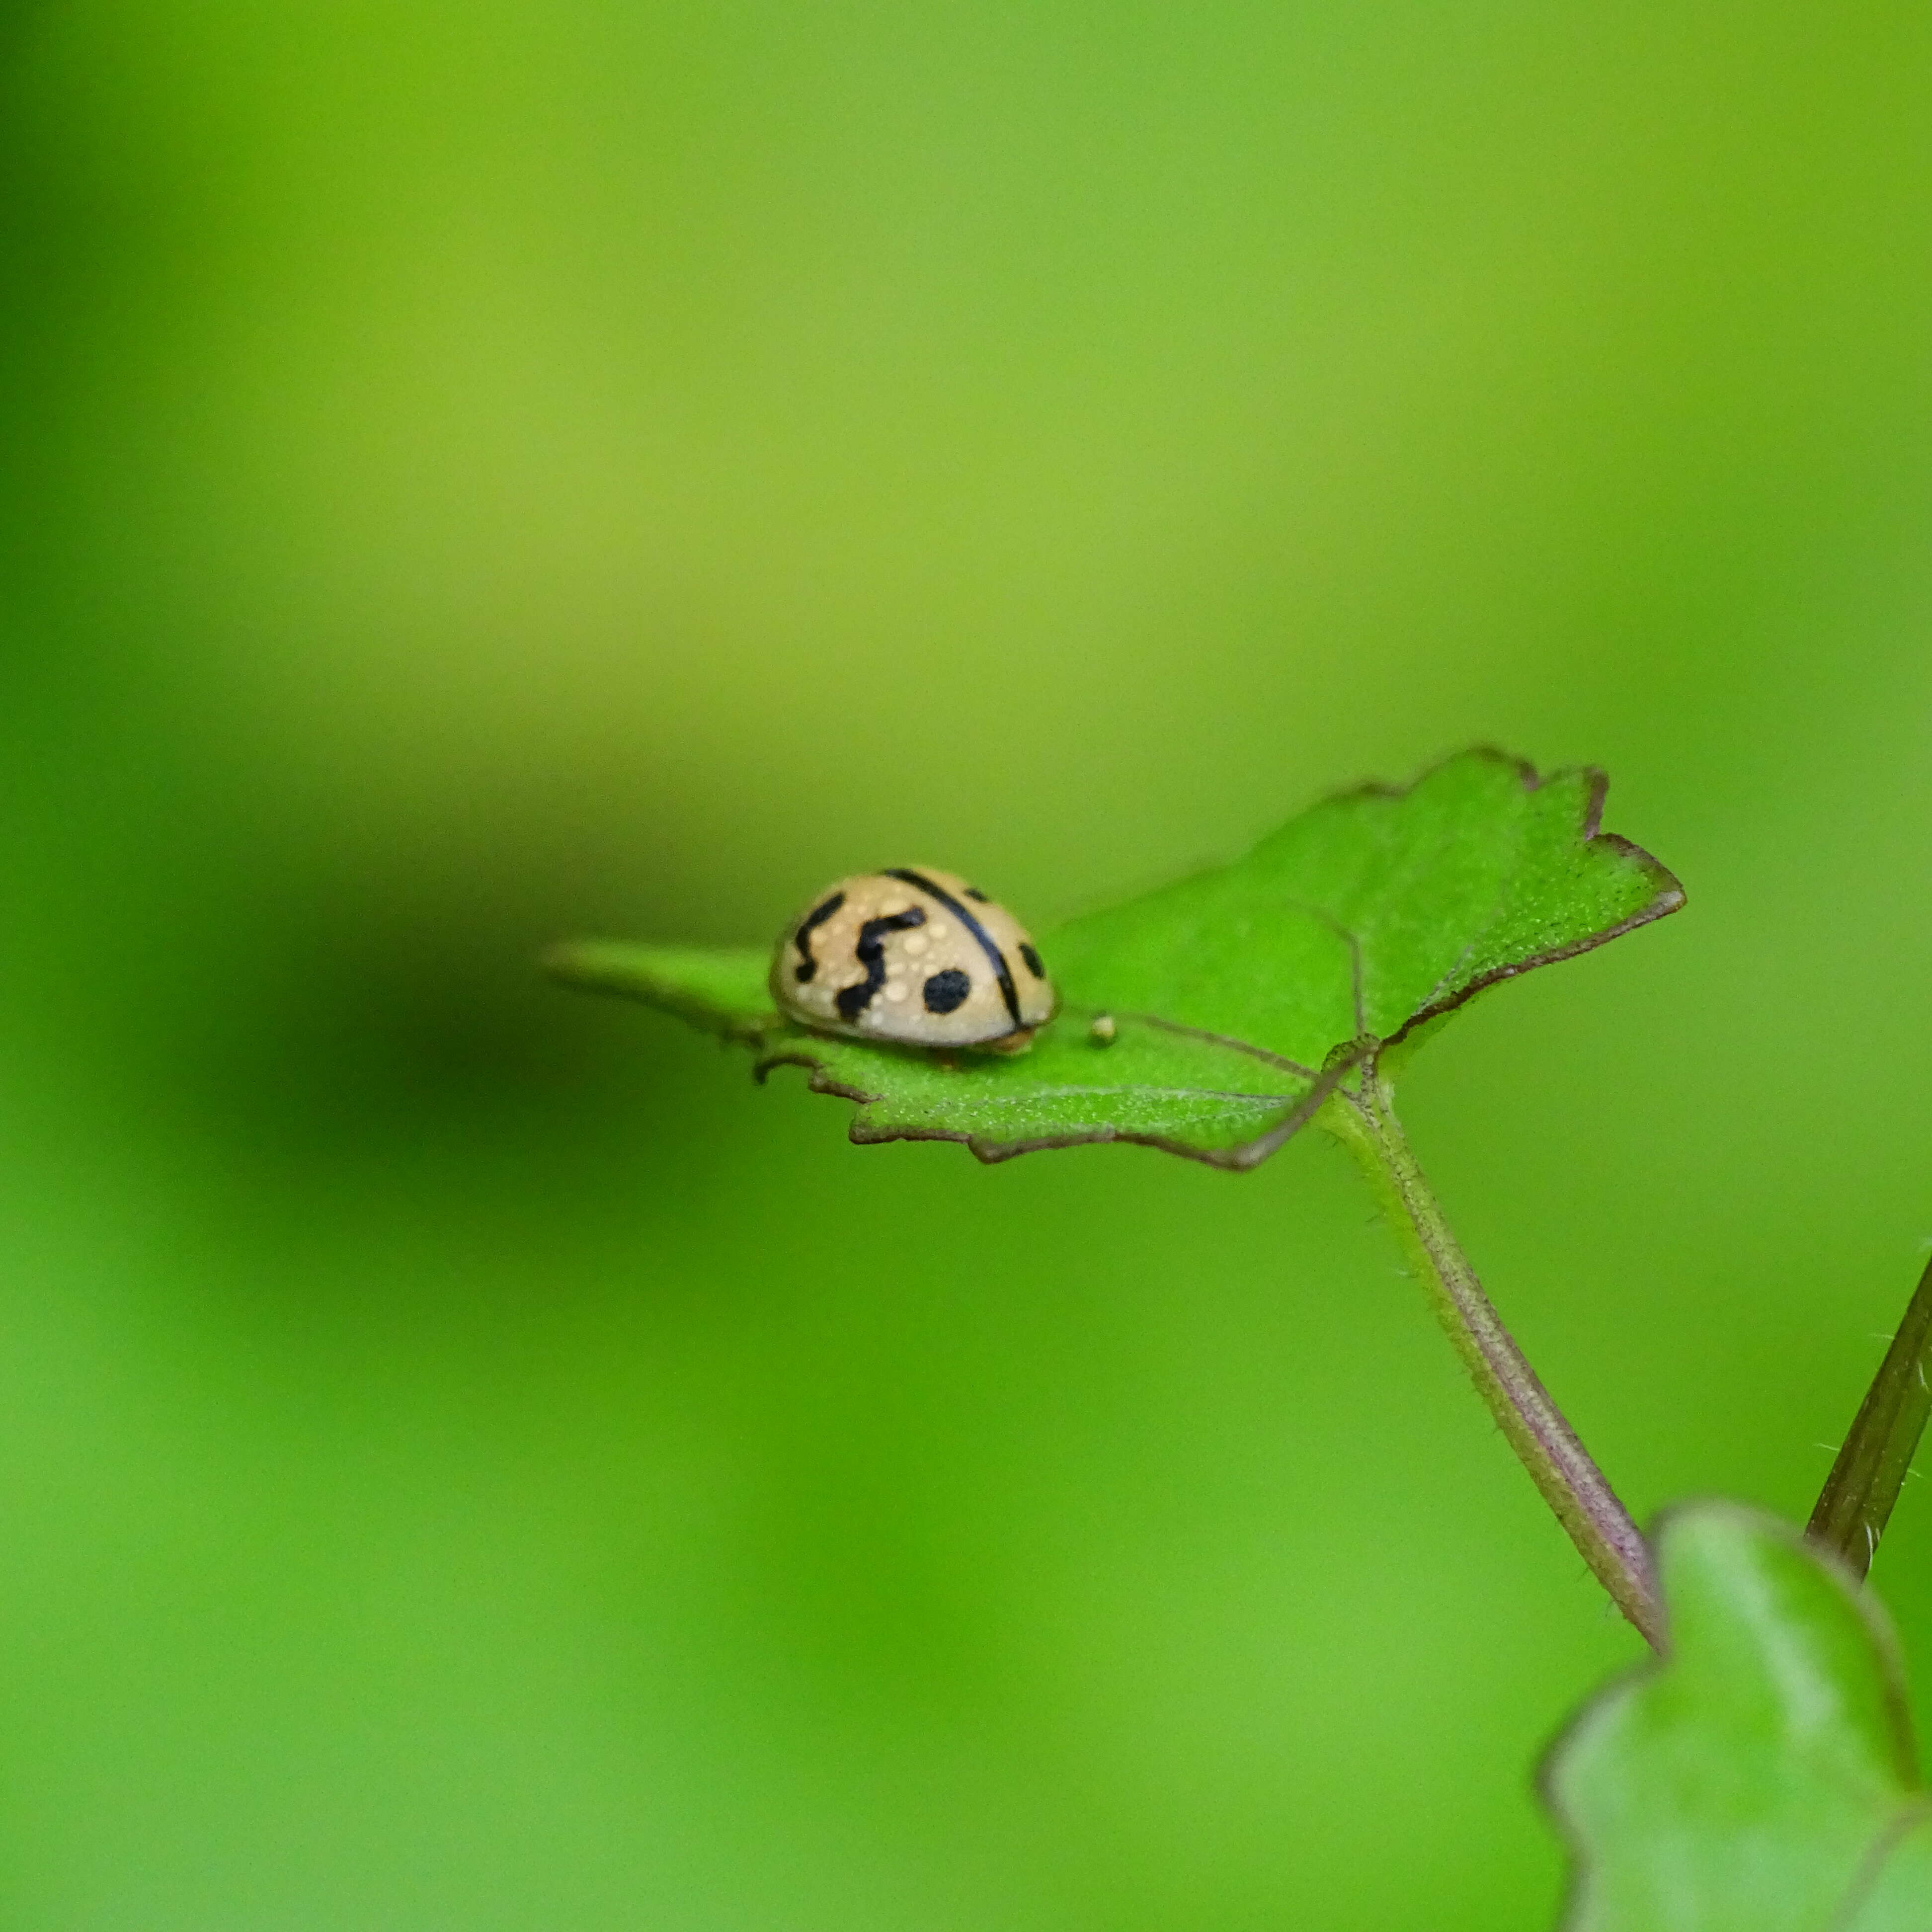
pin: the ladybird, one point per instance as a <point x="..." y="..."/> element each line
<point x="914" y="955"/>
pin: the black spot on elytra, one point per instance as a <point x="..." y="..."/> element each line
<point x="945" y="992"/>
<point x="1032" y="959"/>
<point x="802" y="939"/>
<point x="853" y="1001"/>
<point x="974" y="892"/>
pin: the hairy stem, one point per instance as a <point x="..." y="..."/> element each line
<point x="1855" y="1503"/>
<point x="1558" y="1464"/>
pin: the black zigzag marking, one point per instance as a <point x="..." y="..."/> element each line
<point x="853" y="1001"/>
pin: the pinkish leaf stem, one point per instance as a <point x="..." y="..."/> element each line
<point x="1362" y="1116"/>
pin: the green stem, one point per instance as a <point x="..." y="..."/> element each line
<point x="1558" y="1464"/>
<point x="1855" y="1503"/>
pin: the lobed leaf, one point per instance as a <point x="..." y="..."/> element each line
<point x="1760" y="1777"/>
<point x="1239" y="997"/>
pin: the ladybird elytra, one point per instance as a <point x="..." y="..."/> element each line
<point x="914" y="955"/>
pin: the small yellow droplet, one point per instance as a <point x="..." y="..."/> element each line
<point x="1102" y="1030"/>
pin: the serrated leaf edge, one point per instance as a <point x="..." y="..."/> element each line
<point x="1668" y="896"/>
<point x="991" y="1151"/>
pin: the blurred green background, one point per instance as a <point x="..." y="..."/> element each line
<point x="474" y="473"/>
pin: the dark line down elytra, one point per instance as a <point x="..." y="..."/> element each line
<point x="994" y="957"/>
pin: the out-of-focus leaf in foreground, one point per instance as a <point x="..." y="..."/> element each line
<point x="1238" y="997"/>
<point x="1760" y="1777"/>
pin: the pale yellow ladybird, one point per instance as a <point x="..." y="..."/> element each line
<point x="914" y="955"/>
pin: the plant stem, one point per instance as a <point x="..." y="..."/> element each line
<point x="1559" y="1465"/>
<point x="1855" y="1503"/>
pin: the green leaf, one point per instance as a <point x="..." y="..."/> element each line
<point x="1237" y="997"/>
<point x="1760" y="1778"/>
<point x="719" y="989"/>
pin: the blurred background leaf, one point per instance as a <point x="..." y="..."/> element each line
<point x="473" y="473"/>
